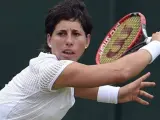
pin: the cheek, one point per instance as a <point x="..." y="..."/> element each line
<point x="56" y="43"/>
<point x="81" y="46"/>
<point x="56" y="46"/>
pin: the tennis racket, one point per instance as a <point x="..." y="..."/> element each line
<point x="124" y="38"/>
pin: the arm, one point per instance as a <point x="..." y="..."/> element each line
<point x="127" y="93"/>
<point x="80" y="75"/>
<point x="86" y="93"/>
<point x="107" y="93"/>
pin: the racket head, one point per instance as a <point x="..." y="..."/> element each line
<point x="123" y="35"/>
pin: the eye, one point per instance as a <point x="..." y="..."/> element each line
<point x="61" y="34"/>
<point x="76" y="34"/>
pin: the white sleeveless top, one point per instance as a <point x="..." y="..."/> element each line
<point x="28" y="96"/>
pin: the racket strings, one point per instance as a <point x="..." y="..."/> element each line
<point x="121" y="39"/>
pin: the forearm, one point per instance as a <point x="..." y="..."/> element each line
<point x="105" y="94"/>
<point x="132" y="64"/>
<point x="121" y="70"/>
<point x="86" y="93"/>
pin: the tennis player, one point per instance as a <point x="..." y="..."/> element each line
<point x="46" y="89"/>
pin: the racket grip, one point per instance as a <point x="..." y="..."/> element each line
<point x="148" y="40"/>
<point x="134" y="48"/>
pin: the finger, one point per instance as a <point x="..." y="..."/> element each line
<point x="137" y="83"/>
<point x="145" y="94"/>
<point x="141" y="101"/>
<point x="144" y="77"/>
<point x="147" y="84"/>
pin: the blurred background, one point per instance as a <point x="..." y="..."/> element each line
<point x="22" y="34"/>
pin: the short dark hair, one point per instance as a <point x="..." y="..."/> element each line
<point x="67" y="10"/>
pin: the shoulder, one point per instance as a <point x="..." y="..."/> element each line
<point x="48" y="68"/>
<point x="47" y="60"/>
<point x="41" y="60"/>
<point x="42" y="57"/>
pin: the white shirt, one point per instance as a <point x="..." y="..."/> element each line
<point x="28" y="96"/>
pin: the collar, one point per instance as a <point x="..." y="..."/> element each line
<point x="42" y="54"/>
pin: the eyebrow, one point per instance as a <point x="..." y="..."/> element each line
<point x="64" y="30"/>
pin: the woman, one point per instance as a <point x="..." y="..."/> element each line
<point x="45" y="89"/>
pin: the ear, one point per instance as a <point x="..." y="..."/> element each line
<point x="49" y="40"/>
<point x="88" y="41"/>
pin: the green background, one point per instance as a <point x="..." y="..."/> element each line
<point x="22" y="34"/>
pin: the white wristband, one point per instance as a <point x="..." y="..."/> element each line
<point x="108" y="94"/>
<point x="153" y="48"/>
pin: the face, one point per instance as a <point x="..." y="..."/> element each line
<point x="68" y="41"/>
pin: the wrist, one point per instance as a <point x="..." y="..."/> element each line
<point x="108" y="94"/>
<point x="153" y="48"/>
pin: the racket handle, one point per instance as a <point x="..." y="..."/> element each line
<point x="138" y="46"/>
<point x="148" y="40"/>
<point x="134" y="48"/>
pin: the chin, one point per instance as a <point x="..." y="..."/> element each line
<point x="73" y="59"/>
<point x="66" y="58"/>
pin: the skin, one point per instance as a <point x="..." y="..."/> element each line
<point x="70" y="36"/>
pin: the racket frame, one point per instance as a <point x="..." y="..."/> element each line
<point x="142" y="30"/>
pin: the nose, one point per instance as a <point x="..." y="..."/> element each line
<point x="69" y="41"/>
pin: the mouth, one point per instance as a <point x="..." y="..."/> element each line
<point x="68" y="52"/>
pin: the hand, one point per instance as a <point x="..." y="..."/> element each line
<point x="156" y="36"/>
<point x="132" y="91"/>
